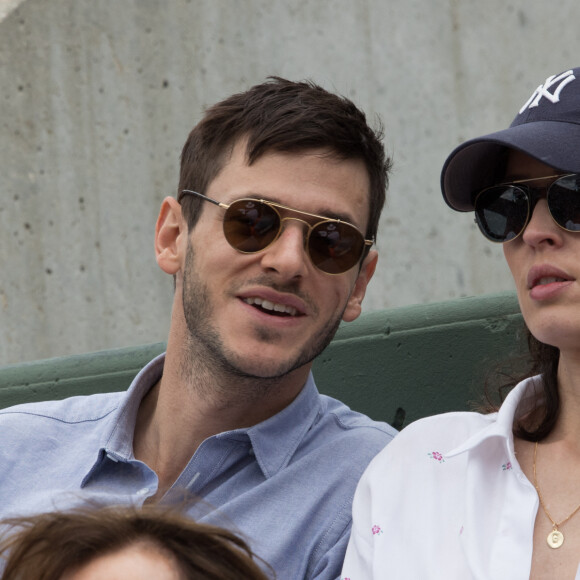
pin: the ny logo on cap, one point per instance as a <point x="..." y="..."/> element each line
<point x="544" y="90"/>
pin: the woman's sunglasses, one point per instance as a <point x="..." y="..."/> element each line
<point x="502" y="212"/>
<point x="251" y="225"/>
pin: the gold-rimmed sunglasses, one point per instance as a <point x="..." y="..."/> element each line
<point x="251" y="225"/>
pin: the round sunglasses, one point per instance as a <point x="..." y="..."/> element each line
<point x="251" y="225"/>
<point x="502" y="212"/>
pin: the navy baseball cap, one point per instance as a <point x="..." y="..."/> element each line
<point x="547" y="128"/>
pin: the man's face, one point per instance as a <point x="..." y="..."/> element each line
<point x="268" y="313"/>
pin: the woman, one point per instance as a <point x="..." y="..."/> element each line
<point x="496" y="496"/>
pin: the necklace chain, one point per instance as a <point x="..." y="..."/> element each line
<point x="555" y="538"/>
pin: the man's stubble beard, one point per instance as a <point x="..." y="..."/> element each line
<point x="205" y="354"/>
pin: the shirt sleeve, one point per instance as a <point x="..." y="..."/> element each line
<point x="358" y="563"/>
<point x="329" y="566"/>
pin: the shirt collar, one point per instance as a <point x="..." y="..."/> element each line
<point x="518" y="402"/>
<point x="275" y="440"/>
<point x="119" y="443"/>
<point x="117" y="440"/>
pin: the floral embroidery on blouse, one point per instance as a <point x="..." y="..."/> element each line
<point x="437" y="456"/>
<point x="376" y="530"/>
<point x="507" y="466"/>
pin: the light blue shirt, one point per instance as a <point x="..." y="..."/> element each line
<point x="286" y="484"/>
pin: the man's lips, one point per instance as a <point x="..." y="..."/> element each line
<point x="272" y="306"/>
<point x="543" y="275"/>
<point x="277" y="303"/>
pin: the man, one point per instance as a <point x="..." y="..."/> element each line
<point x="268" y="242"/>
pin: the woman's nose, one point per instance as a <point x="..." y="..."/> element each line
<point x="541" y="227"/>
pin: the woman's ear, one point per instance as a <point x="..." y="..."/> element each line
<point x="354" y="304"/>
<point x="170" y="232"/>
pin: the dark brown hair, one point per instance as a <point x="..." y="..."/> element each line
<point x="45" y="546"/>
<point x="283" y="116"/>
<point x="542" y="359"/>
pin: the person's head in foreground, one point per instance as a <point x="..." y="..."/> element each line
<point x="495" y="495"/>
<point x="120" y="543"/>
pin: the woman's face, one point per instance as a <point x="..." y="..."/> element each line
<point x="545" y="264"/>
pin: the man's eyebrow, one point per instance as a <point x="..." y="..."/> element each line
<point x="335" y="216"/>
<point x="324" y="212"/>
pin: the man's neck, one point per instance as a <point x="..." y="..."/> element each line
<point x="185" y="408"/>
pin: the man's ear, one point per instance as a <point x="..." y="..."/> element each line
<point x="170" y="234"/>
<point x="354" y="304"/>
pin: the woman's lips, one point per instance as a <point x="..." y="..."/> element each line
<point x="544" y="275"/>
<point x="548" y="291"/>
<point x="546" y="282"/>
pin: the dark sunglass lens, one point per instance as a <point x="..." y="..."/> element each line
<point x="335" y="247"/>
<point x="501" y="212"/>
<point x="564" y="202"/>
<point x="250" y="225"/>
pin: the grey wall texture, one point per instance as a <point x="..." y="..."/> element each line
<point x="98" y="96"/>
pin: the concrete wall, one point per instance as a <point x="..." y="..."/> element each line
<point x="97" y="97"/>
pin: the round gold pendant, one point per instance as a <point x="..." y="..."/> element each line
<point x="555" y="538"/>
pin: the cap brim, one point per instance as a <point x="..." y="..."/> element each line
<point x="473" y="165"/>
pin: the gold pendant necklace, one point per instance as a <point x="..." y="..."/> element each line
<point x="555" y="538"/>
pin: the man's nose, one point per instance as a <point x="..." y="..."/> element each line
<point x="288" y="254"/>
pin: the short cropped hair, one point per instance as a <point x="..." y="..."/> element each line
<point x="283" y="116"/>
<point x="45" y="546"/>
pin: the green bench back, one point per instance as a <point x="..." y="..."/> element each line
<point x="395" y="365"/>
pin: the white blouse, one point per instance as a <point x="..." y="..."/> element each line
<point x="447" y="500"/>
